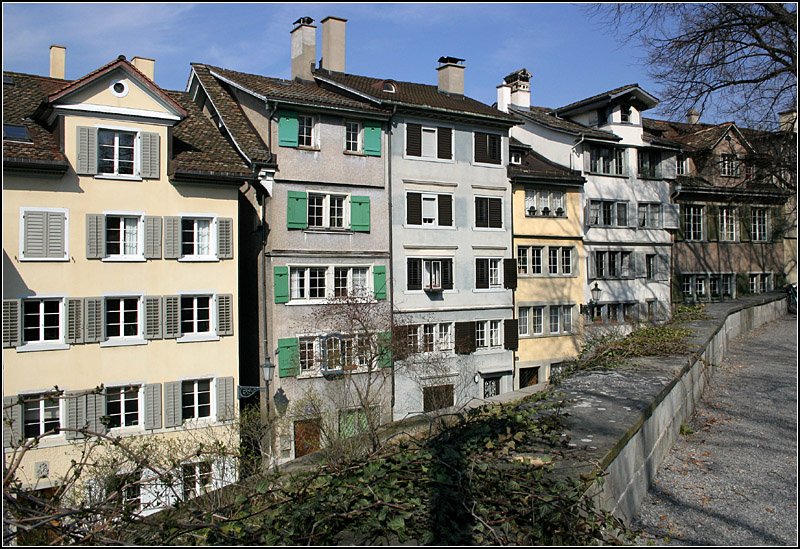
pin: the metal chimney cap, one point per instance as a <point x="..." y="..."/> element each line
<point x="304" y="21"/>
<point x="448" y="60"/>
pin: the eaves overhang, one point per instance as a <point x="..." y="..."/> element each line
<point x="43" y="167"/>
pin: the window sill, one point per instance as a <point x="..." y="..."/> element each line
<point x="196" y="423"/>
<point x="308" y="149"/>
<point x="429" y="159"/>
<point x="43" y="259"/>
<point x="489" y="229"/>
<point x="488" y="290"/>
<point x="198" y="259"/>
<point x="434" y="227"/>
<point x="489" y="350"/>
<point x="488" y="164"/>
<point x="423" y="292"/>
<point x="124" y="259"/>
<point x="543" y="336"/>
<point x="121" y="342"/>
<point x="296" y="302"/>
<point x="33" y="347"/>
<point x="118" y="177"/>
<point x="328" y="230"/>
<point x="354" y="153"/>
<point x="126" y="431"/>
<point x="197" y="337"/>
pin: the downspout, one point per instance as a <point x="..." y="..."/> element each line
<point x="391" y="234"/>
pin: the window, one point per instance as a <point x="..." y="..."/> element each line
<point x="15" y="132"/>
<point x="122" y="406"/>
<point x="608" y="213"/>
<point x="429" y="142"/>
<point x="429" y="274"/>
<point x="429" y="209"/>
<point x="124" y="236"/>
<point x="552" y="264"/>
<point x="758" y="224"/>
<point x="539" y="202"/>
<point x="352" y="139"/>
<point x="122" y="317"/>
<point x="196" y="238"/>
<point x="680" y="165"/>
<point x="522" y="260"/>
<point x="432" y="275"/>
<point x="613" y="264"/>
<point x="700" y="286"/>
<point x="529" y="260"/>
<point x="307" y="356"/>
<point x="649" y="215"/>
<point x="41" y="320"/>
<point x="491" y="387"/>
<point x="487" y="148"/>
<point x="305" y="131"/>
<point x="307" y="282"/>
<point x="516" y="157"/>
<point x="537" y="320"/>
<point x="559" y="260"/>
<point x="607" y="161"/>
<point x="487" y="273"/>
<point x="196" y="399"/>
<point x="729" y="166"/>
<point x="650" y="266"/>
<point x="41" y="414"/>
<point x="727" y="223"/>
<point x="196" y="315"/>
<point x="350" y="282"/>
<point x="196" y="479"/>
<point x="693" y="222"/>
<point x="487" y="334"/>
<point x="437" y="397"/>
<point x="555" y="320"/>
<point x="327" y="211"/>
<point x="489" y="212"/>
<point x="625" y="114"/>
<point x="760" y="282"/>
<point x="524" y="321"/>
<point x="43" y="234"/>
<point x="116" y="152"/>
<point x="649" y="163"/>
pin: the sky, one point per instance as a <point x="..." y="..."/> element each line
<point x="570" y="54"/>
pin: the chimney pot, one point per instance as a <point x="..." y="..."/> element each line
<point x="58" y="61"/>
<point x="146" y="66"/>
<point x="451" y="75"/>
<point x="520" y="82"/>
<point x="333" y="43"/>
<point x="304" y="49"/>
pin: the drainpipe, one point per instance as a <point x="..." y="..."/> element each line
<point x="391" y="234"/>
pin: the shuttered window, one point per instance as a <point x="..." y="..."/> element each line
<point x="489" y="212"/>
<point x="225" y="398"/>
<point x="288" y="127"/>
<point x="372" y="138"/>
<point x="379" y="281"/>
<point x="44" y="235"/>
<point x="429" y="209"/>
<point x="429" y="142"/>
<point x="12" y="323"/>
<point x="487" y="148"/>
<point x="288" y="357"/>
<point x="41" y="321"/>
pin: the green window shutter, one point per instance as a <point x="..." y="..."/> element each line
<point x="94" y="319"/>
<point x="12" y="421"/>
<point x="152" y="237"/>
<point x="379" y="280"/>
<point x="151" y="155"/>
<point x="359" y="214"/>
<point x="34" y="239"/>
<point x="74" y="321"/>
<point x="297" y="210"/>
<point x="172" y="316"/>
<point x="172" y="404"/>
<point x="225" y="401"/>
<point x="152" y="406"/>
<point x="95" y="236"/>
<point x="385" y="350"/>
<point x="12" y="331"/>
<point x="288" y="357"/>
<point x="281" y="284"/>
<point x="225" y="314"/>
<point x="288" y="128"/>
<point x="372" y="138"/>
<point x="152" y="317"/>
<point x="172" y="237"/>
<point x="87" y="151"/>
<point x="225" y="238"/>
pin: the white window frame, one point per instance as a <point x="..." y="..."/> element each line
<point x="728" y="224"/>
<point x="501" y="163"/>
<point x="694" y="222"/>
<point x="730" y="166"/>
<point x="431" y="279"/>
<point x="435" y="224"/>
<point x="431" y="130"/>
<point x="650" y="213"/>
<point x="488" y="335"/>
<point x="306" y="283"/>
<point x="607" y="161"/>
<point x="680" y="165"/>
<point x="488" y="227"/>
<point x="614" y="221"/>
<point x="523" y="260"/>
<point x="523" y="321"/>
<point x="539" y="199"/>
<point x="365" y="291"/>
<point x="137" y="137"/>
<point x="122" y="256"/>
<point x="138" y="339"/>
<point x="139" y="399"/>
<point x="196" y="406"/>
<point x="759" y="224"/>
<point x="199" y="487"/>
<point x="515" y="157"/>
<point x="211" y="334"/>
<point x="359" y="134"/>
<point x="22" y="212"/>
<point x="40" y="399"/>
<point x="537" y="314"/>
<point x="212" y="237"/>
<point x="44" y="345"/>
<point x="327" y="205"/>
<point x="313" y="132"/>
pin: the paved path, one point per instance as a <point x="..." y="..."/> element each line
<point x="733" y="480"/>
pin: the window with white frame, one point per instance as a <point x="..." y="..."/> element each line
<point x="552" y="260"/>
<point x="760" y="282"/>
<point x="613" y="264"/>
<point x="727" y="223"/>
<point x="758" y="224"/>
<point x="523" y="321"/>
<point x="42" y="320"/>
<point x="196" y="479"/>
<point x="307" y="354"/>
<point x="516" y="157"/>
<point x="522" y="260"/>
<point x="429" y="274"/>
<point x="429" y="142"/>
<point x="122" y="406"/>
<point x="729" y="165"/>
<point x="559" y="260"/>
<point x="488" y="334"/>
<point x="537" y="320"/>
<point x="429" y="209"/>
<point x="305" y="131"/>
<point x="124" y="234"/>
<point x="307" y="283"/>
<point x="196" y="399"/>
<point x="680" y="165"/>
<point x="350" y="281"/>
<point x="693" y="222"/>
<point x="487" y="273"/>
<point x="649" y="215"/>
<point x="196" y="315"/>
<point x="352" y="140"/>
<point x="649" y="162"/>
<point x="607" y="213"/>
<point x="488" y="212"/>
<point x="41" y="414"/>
<point x="650" y="266"/>
<point x="444" y="340"/>
<point x="123" y="317"/>
<point x="543" y="202"/>
<point x="700" y="287"/>
<point x="196" y="237"/>
<point x="555" y="320"/>
<point x="607" y="160"/>
<point x="327" y="211"/>
<point x="116" y="152"/>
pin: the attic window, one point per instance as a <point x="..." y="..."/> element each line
<point x="8" y="80"/>
<point x="516" y="157"/>
<point x="14" y="132"/>
<point x="388" y="87"/>
<point x="119" y="88"/>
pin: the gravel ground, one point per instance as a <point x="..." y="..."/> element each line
<point x="731" y="478"/>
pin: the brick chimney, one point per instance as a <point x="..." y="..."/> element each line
<point x="692" y="116"/>
<point x="333" y="43"/>
<point x="58" y="61"/>
<point x="304" y="49"/>
<point x="146" y="66"/>
<point x="451" y="75"/>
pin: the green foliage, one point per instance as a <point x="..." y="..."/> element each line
<point x="688" y="312"/>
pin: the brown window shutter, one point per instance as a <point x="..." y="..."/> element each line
<point x="481" y="273"/>
<point x="447" y="274"/>
<point x="414" y="209"/>
<point x="400" y="350"/>
<point x="414" y="274"/>
<point x="511" y="335"/>
<point x="495" y="213"/>
<point x="481" y="147"/>
<point x="413" y="140"/>
<point x="481" y="212"/>
<point x="510" y="273"/>
<point x="493" y="149"/>
<point x="445" y="210"/>
<point x="445" y="143"/>
<point x="465" y="338"/>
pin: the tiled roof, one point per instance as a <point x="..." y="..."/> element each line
<point x="602" y="96"/>
<point x="413" y="95"/>
<point x="691" y="136"/>
<point x="235" y="121"/>
<point x="198" y="147"/>
<point x="535" y="165"/>
<point x="545" y="117"/>
<point x="21" y="97"/>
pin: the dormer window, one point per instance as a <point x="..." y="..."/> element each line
<point x="116" y="152"/>
<point x="388" y="87"/>
<point x="625" y="114"/>
<point x="516" y="157"/>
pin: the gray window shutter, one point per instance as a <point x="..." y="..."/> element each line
<point x="87" y="151"/>
<point x="94" y="320"/>
<point x="56" y="238"/>
<point x="172" y="404"/>
<point x="225" y="402"/>
<point x="76" y="414"/>
<point x="74" y="320"/>
<point x="225" y="238"/>
<point x="172" y="316"/>
<point x="12" y="331"/>
<point x="12" y="421"/>
<point x="152" y="237"/>
<point x="662" y="267"/>
<point x="152" y="317"/>
<point x="172" y="237"/>
<point x="34" y="243"/>
<point x="152" y="406"/>
<point x="224" y="314"/>
<point x="95" y="236"/>
<point x="151" y="154"/>
<point x="95" y="410"/>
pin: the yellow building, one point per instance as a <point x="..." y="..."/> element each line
<point x="119" y="274"/>
<point x="548" y="245"/>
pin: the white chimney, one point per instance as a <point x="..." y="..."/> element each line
<point x="692" y="116"/>
<point x="58" y="61"/>
<point x="146" y="66"/>
<point x="304" y="49"/>
<point x="788" y="121"/>
<point x="520" y="82"/>
<point x="451" y="75"/>
<point x="333" y="43"/>
<point x="503" y="97"/>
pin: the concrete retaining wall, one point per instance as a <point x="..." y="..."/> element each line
<point x="631" y="469"/>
